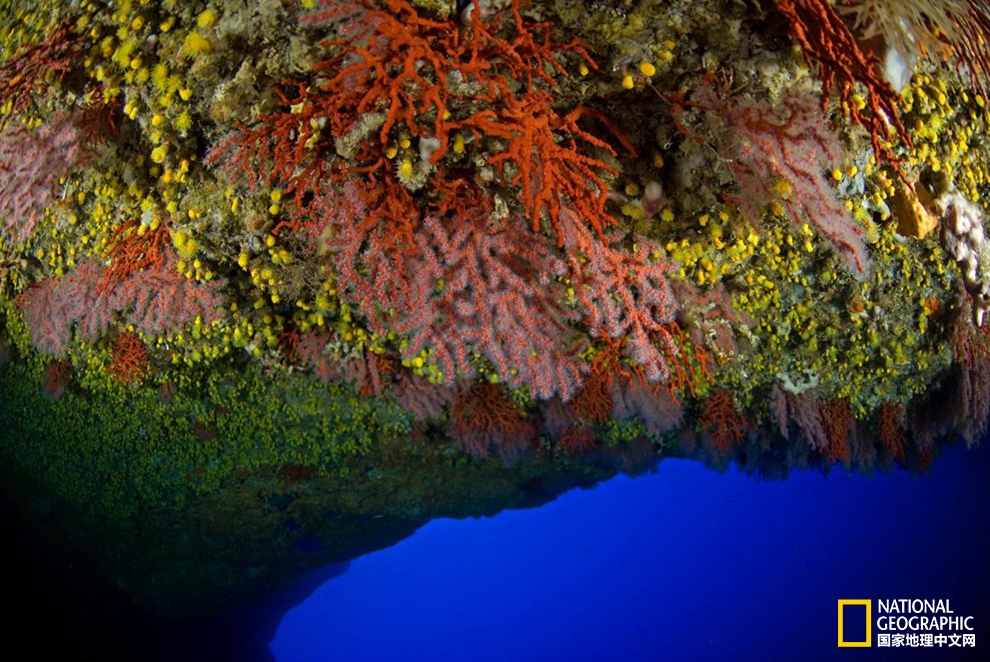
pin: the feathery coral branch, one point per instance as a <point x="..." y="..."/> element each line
<point x="828" y="42"/>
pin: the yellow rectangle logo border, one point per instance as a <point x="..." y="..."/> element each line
<point x="869" y="622"/>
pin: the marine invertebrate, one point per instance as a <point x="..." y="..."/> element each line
<point x="133" y="248"/>
<point x="31" y="71"/>
<point x="721" y="419"/>
<point x="83" y="302"/>
<point x="778" y="154"/>
<point x="828" y="44"/>
<point x="928" y="28"/>
<point x="495" y="293"/>
<point x="31" y="163"/>
<point x="129" y="359"/>
<point x="541" y="148"/>
<point x="890" y="428"/>
<point x="454" y="194"/>
<point x="840" y="424"/>
<point x="484" y="421"/>
<point x="401" y="77"/>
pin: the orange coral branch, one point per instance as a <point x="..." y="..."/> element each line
<point x="828" y="42"/>
<point x="720" y="417"/>
<point x="548" y="171"/>
<point x="129" y="362"/>
<point x="132" y="250"/>
<point x="31" y="71"/>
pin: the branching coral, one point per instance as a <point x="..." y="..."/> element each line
<point x="437" y="210"/>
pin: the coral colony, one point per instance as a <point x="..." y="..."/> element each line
<point x="738" y="230"/>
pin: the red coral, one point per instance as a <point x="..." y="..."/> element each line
<point x="548" y="167"/>
<point x="780" y="152"/>
<point x="593" y="401"/>
<point x="53" y="306"/>
<point x="370" y="271"/>
<point x="651" y="403"/>
<point x="839" y="423"/>
<point x="366" y="371"/>
<point x="160" y="299"/>
<point x="577" y="440"/>
<point x="720" y="418"/>
<point x="890" y="425"/>
<point x="828" y="42"/>
<point x="31" y="163"/>
<point x="155" y="301"/>
<point x="803" y="410"/>
<point x="625" y="293"/>
<point x="435" y="265"/>
<point x="474" y="290"/>
<point x="56" y="378"/>
<point x="129" y="362"/>
<point x="410" y="65"/>
<point x="398" y="70"/>
<point x="421" y="398"/>
<point x="134" y="248"/>
<point x="32" y="71"/>
<point x="484" y="420"/>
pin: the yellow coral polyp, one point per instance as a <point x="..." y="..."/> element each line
<point x="206" y="19"/>
<point x="195" y="44"/>
<point x="183" y="122"/>
<point x="159" y="153"/>
<point x="782" y="189"/>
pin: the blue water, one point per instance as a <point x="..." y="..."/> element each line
<point x="684" y="564"/>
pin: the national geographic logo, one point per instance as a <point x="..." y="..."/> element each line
<point x="904" y="623"/>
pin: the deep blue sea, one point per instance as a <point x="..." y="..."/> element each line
<point x="682" y="564"/>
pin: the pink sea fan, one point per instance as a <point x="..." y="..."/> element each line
<point x="53" y="306"/>
<point x="160" y="299"/>
<point x="653" y="404"/>
<point x="156" y="301"/>
<point x="421" y="398"/>
<point x="494" y="293"/>
<point x="31" y="163"/>
<point x="624" y="293"/>
<point x="780" y="152"/>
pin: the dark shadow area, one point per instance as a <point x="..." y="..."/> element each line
<point x="59" y="610"/>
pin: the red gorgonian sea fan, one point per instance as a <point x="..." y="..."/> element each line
<point x="829" y="45"/>
<point x="33" y="70"/>
<point x="780" y="153"/>
<point x="435" y="81"/>
<point x="129" y="359"/>
<point x="31" y="163"/>
<point x="429" y="259"/>
<point x="493" y="293"/>
<point x="155" y="301"/>
<point x="484" y="421"/>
